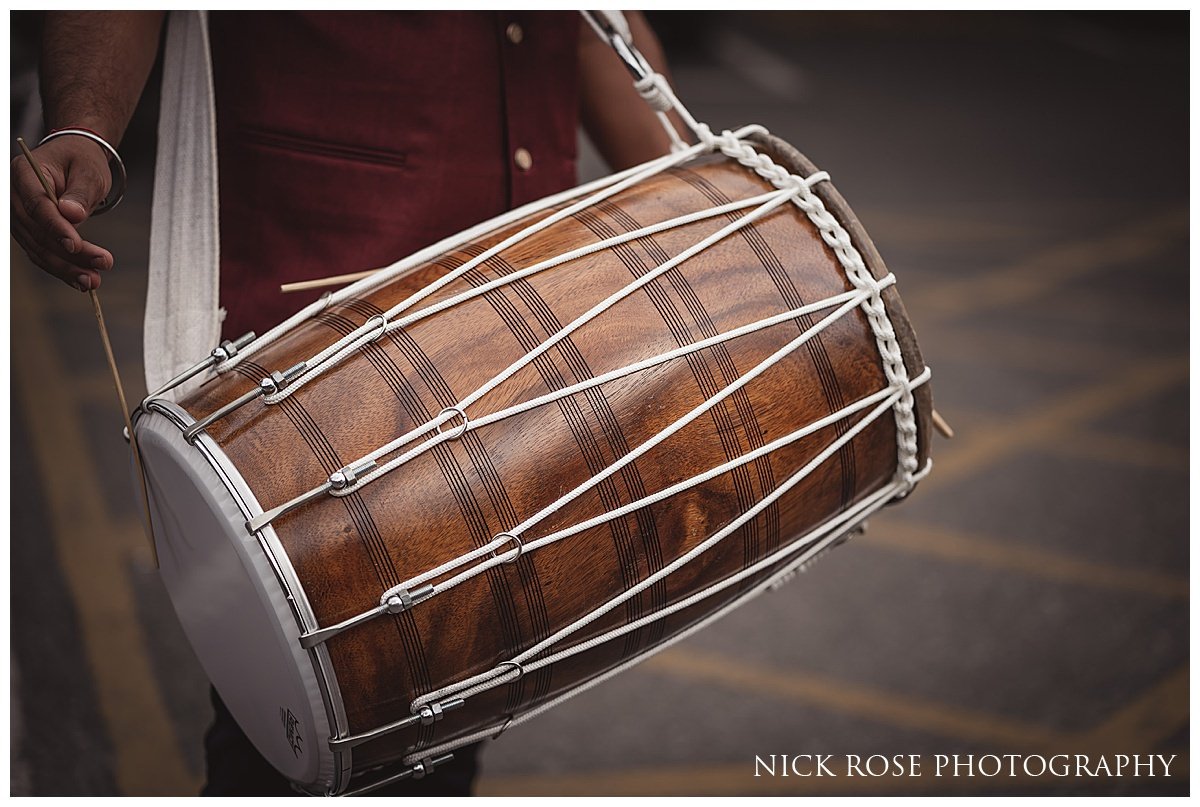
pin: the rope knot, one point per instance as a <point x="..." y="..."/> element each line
<point x="656" y="92"/>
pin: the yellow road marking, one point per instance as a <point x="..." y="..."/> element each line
<point x="94" y="552"/>
<point x="848" y="698"/>
<point x="906" y="227"/>
<point x="730" y="779"/>
<point x="1049" y="269"/>
<point x="1140" y="727"/>
<point x="903" y="536"/>
<point x="1120" y="449"/>
<point x="970" y="451"/>
<point x="1148" y="721"/>
<point x="1022" y="350"/>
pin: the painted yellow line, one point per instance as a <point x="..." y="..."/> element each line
<point x="1138" y="728"/>
<point x="1021" y="350"/>
<point x="893" y="226"/>
<point x="954" y="460"/>
<point x="1150" y="720"/>
<point x="1119" y="449"/>
<point x="94" y="552"/>
<point x="848" y="698"/>
<point x="924" y="539"/>
<point x="731" y="779"/>
<point x="1049" y="269"/>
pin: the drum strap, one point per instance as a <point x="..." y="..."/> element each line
<point x="182" y="318"/>
<point x="613" y="28"/>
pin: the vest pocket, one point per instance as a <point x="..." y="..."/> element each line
<point x="308" y="145"/>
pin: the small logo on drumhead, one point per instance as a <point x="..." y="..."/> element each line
<point x="291" y="730"/>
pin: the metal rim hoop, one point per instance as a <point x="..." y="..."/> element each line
<point x="507" y="722"/>
<point x="516" y="665"/>
<point x="516" y="539"/>
<point x="383" y="324"/>
<point x="459" y="430"/>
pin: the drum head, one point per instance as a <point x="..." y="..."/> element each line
<point x="228" y="591"/>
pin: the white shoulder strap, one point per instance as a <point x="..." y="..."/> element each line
<point x="182" y="321"/>
<point x="603" y="22"/>
<point x="613" y="28"/>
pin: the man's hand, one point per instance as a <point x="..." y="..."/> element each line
<point x="93" y="68"/>
<point x="78" y="170"/>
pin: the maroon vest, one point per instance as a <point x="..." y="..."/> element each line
<point x="349" y="140"/>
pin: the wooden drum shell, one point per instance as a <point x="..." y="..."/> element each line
<point x="456" y="497"/>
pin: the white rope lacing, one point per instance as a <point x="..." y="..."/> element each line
<point x="471" y="686"/>
<point x="867" y="294"/>
<point x="672" y="429"/>
<point x="900" y="401"/>
<point x="848" y="299"/>
<point x="835" y="235"/>
<point x="808" y="547"/>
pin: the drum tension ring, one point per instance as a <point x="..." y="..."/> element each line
<point x="520" y="668"/>
<point x="516" y="539"/>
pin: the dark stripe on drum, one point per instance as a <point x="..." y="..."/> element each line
<point x="452" y="474"/>
<point x="364" y="524"/>
<point x="481" y="533"/>
<point x="725" y="426"/>
<point x="577" y="423"/>
<point x="816" y="346"/>
<point x="647" y="528"/>
<point x="741" y="399"/>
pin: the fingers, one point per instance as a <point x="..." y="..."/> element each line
<point x="72" y="275"/>
<point x="41" y="222"/>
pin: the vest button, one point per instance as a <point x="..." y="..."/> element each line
<point x="523" y="159"/>
<point x="514" y="33"/>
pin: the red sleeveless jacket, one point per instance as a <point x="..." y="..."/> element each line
<point x="348" y="140"/>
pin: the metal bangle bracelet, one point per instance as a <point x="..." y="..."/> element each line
<point x="117" y="192"/>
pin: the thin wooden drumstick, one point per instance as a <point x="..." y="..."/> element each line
<point x="112" y="365"/>
<point x="37" y="170"/>
<point x="321" y="282"/>
<point x="941" y="425"/>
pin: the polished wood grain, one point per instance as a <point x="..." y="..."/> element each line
<point x="459" y="495"/>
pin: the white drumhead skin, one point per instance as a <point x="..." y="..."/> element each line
<point x="232" y="605"/>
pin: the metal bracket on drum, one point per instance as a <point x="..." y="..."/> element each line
<point x="417" y="771"/>
<point x="338" y="480"/>
<point x="268" y="386"/>
<point x="633" y="60"/>
<point x="428" y="714"/>
<point x="226" y="350"/>
<point x="395" y="604"/>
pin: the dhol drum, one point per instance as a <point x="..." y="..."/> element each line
<point x="444" y="499"/>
